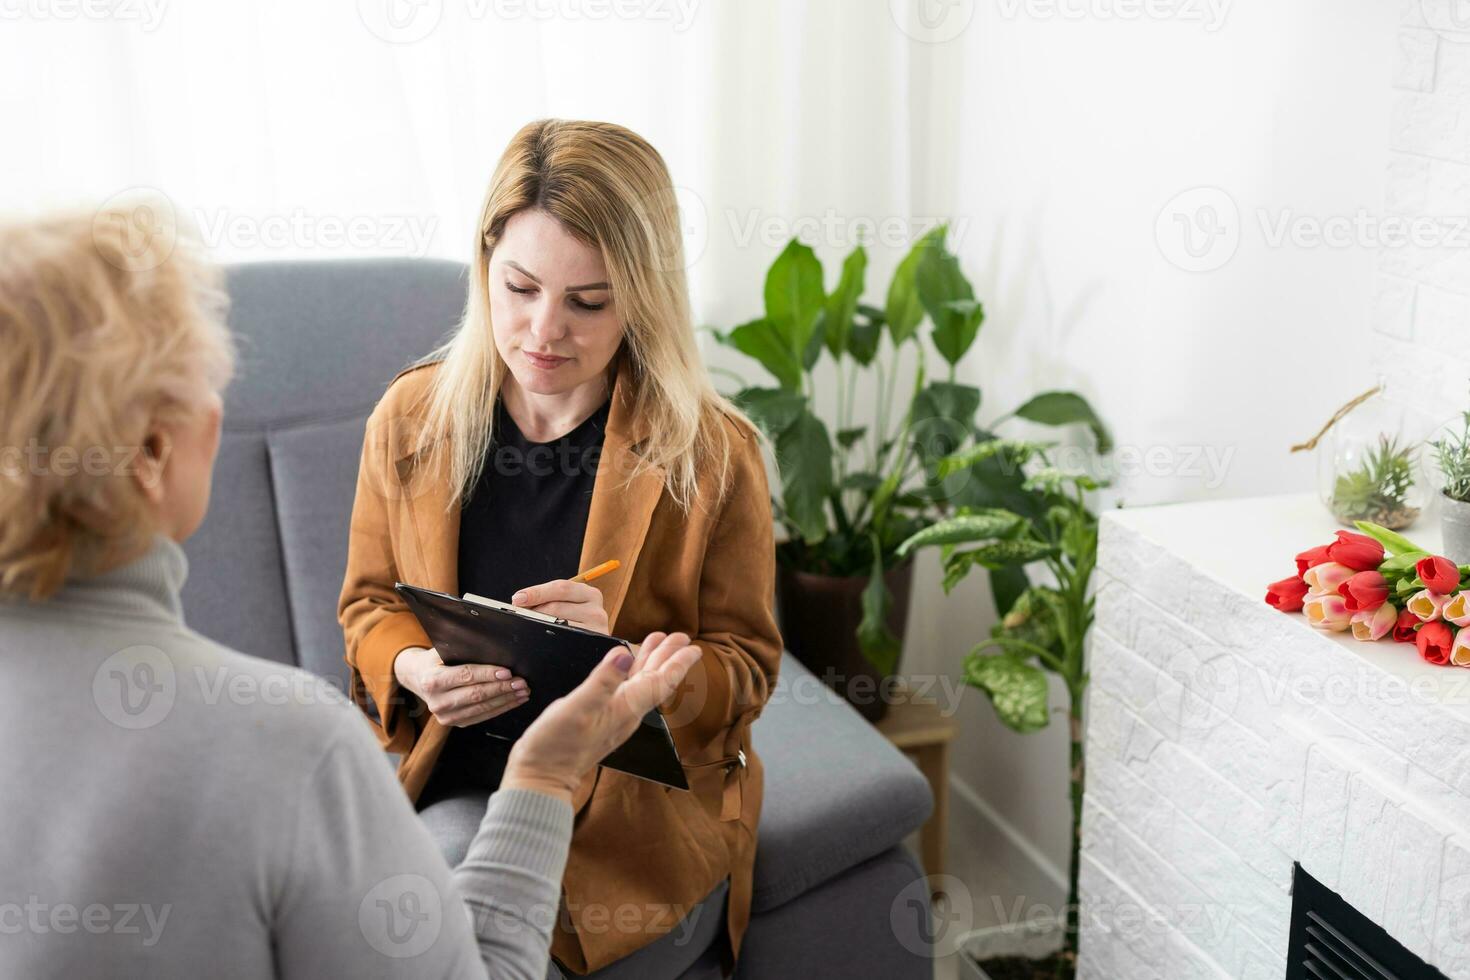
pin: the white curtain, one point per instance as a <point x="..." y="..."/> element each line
<point x="290" y="129"/>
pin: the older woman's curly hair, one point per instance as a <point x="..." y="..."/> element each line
<point x="109" y="322"/>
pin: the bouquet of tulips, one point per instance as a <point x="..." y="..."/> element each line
<point x="1379" y="584"/>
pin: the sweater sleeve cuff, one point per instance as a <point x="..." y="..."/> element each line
<point x="524" y="829"/>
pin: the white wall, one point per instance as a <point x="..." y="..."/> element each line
<point x="1075" y="135"/>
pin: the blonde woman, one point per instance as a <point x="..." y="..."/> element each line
<point x="569" y="421"/>
<point x="167" y="812"/>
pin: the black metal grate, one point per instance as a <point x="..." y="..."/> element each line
<point x="1331" y="940"/>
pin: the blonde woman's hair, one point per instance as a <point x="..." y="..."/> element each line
<point x="108" y="323"/>
<point x="611" y="190"/>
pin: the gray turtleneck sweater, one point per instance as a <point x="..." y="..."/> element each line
<point x="175" y="809"/>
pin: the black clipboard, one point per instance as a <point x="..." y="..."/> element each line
<point x="553" y="656"/>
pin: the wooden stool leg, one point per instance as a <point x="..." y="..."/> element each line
<point x="934" y="763"/>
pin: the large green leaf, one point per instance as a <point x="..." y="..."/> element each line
<point x="905" y="310"/>
<point x="982" y="526"/>
<point x="1018" y="450"/>
<point x="950" y="302"/>
<point x="1066" y="408"/>
<point x="877" y="644"/>
<point x="842" y="303"/>
<point x="804" y="455"/>
<point x="866" y="332"/>
<point x="1017" y="689"/>
<point x="1018" y="551"/>
<point x="773" y="409"/>
<point x="762" y="340"/>
<point x="794" y="294"/>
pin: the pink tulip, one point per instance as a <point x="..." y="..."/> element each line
<point x="1457" y="609"/>
<point x="1460" y="652"/>
<point x="1328" y="612"/>
<point x="1326" y="577"/>
<point x="1426" y="605"/>
<point x="1374" y="624"/>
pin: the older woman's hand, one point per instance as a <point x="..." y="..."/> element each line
<point x="576" y="732"/>
<point x="577" y="602"/>
<point x="462" y="695"/>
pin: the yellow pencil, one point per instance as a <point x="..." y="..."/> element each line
<point x="611" y="565"/>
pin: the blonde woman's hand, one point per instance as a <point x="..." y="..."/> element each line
<point x="577" y="602"/>
<point x="576" y="732"/>
<point x="462" y="695"/>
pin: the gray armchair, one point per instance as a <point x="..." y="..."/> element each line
<point x="319" y="343"/>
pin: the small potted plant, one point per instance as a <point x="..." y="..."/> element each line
<point x="1369" y="467"/>
<point x="1378" y="487"/>
<point x="1452" y="454"/>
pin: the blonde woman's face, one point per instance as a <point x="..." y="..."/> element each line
<point x="550" y="306"/>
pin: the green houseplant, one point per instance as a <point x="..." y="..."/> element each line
<point x="1452" y="454"/>
<point x="1044" y="523"/>
<point x="858" y="482"/>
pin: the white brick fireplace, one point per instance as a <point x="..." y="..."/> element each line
<point x="1227" y="740"/>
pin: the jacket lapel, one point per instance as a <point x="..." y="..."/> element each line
<point x="622" y="503"/>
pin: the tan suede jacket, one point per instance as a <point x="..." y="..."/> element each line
<point x="642" y="855"/>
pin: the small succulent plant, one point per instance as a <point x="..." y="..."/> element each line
<point x="1378" y="489"/>
<point x="1452" y="454"/>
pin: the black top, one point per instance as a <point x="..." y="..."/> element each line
<point x="522" y="525"/>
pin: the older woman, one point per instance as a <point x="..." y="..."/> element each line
<point x="166" y="815"/>
<point x="567" y="422"/>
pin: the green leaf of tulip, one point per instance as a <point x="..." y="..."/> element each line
<point x="1393" y="543"/>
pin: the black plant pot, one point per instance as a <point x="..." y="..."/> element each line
<point x="819" y="620"/>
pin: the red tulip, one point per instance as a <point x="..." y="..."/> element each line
<point x="1357" y="551"/>
<point x="1286" y="594"/>
<point x="1435" y="640"/>
<point x="1403" y="630"/>
<point x="1365" y="591"/>
<point x="1310" y="557"/>
<point x="1438" y="574"/>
